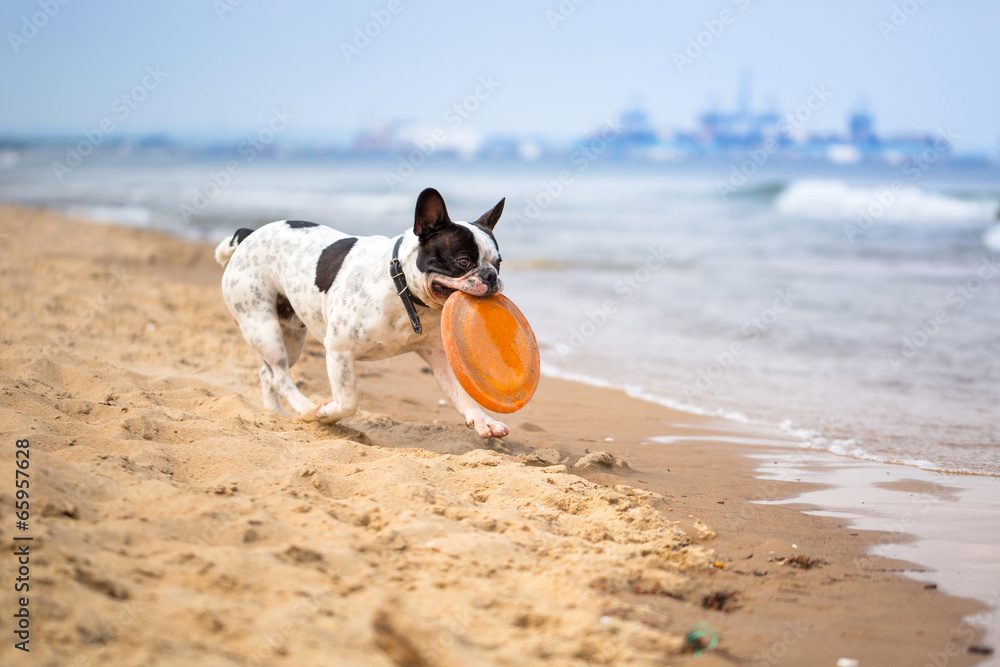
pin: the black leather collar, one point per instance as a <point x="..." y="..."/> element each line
<point x="403" y="290"/>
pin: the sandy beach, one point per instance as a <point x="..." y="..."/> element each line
<point x="175" y="521"/>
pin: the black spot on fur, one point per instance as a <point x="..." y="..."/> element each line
<point x="330" y="261"/>
<point x="300" y="224"/>
<point x="241" y="235"/>
<point x="284" y="308"/>
<point x="441" y="252"/>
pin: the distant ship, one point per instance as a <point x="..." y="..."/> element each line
<point x="734" y="133"/>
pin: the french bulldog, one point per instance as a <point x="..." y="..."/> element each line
<point x="365" y="297"/>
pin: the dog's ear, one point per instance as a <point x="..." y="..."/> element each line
<point x="431" y="213"/>
<point x="490" y="218"/>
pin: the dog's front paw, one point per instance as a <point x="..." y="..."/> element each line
<point x="487" y="427"/>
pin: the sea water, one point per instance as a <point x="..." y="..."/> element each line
<point x="856" y="307"/>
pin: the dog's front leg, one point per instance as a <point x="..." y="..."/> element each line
<point x="343" y="383"/>
<point x="485" y="425"/>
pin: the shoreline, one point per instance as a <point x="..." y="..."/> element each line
<point x="156" y="332"/>
<point x="805" y="438"/>
<point x="846" y="443"/>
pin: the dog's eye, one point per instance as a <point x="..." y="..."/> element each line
<point x="464" y="262"/>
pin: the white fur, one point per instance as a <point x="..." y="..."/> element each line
<point x="360" y="317"/>
<point x="224" y="251"/>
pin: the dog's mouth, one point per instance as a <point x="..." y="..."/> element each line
<point x="440" y="287"/>
<point x="441" y="290"/>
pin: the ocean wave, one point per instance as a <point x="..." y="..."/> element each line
<point x="767" y="190"/>
<point x="828" y="199"/>
<point x="852" y="448"/>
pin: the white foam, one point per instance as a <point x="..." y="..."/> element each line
<point x="991" y="239"/>
<point x="553" y="372"/>
<point x="635" y="391"/>
<point x="638" y="392"/>
<point x="852" y="448"/>
<point x="806" y="438"/>
<point x="829" y="199"/>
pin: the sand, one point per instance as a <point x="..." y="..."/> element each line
<point x="175" y="521"/>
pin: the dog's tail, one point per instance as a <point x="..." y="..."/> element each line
<point x="226" y="249"/>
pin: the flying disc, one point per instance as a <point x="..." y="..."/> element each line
<point x="492" y="350"/>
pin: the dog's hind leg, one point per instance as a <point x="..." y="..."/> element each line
<point x="271" y="398"/>
<point x="294" y="338"/>
<point x="267" y="338"/>
<point x="293" y="332"/>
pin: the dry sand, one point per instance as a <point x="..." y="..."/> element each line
<point x="175" y="521"/>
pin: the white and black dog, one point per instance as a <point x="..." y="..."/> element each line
<point x="365" y="298"/>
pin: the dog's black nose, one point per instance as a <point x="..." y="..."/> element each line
<point x="489" y="277"/>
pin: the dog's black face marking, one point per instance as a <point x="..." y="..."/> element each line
<point x="284" y="308"/>
<point x="451" y="252"/>
<point x="300" y="224"/>
<point x="241" y="235"/>
<point x="330" y="261"/>
<point x="454" y="250"/>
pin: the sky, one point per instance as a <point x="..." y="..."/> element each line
<point x="549" y="68"/>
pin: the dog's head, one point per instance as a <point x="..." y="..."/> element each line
<point x="455" y="256"/>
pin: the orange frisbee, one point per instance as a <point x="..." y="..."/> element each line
<point x="492" y="350"/>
